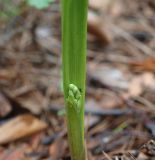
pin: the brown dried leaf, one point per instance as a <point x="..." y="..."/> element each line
<point x="7" y="74"/>
<point x="99" y="4"/>
<point x="32" y="100"/>
<point x="146" y="64"/>
<point x="14" y="153"/>
<point x="110" y="77"/>
<point x="5" y="107"/>
<point x="96" y="28"/>
<point x="135" y="87"/>
<point x="139" y="83"/>
<point x="19" y="127"/>
<point x="55" y="149"/>
<point x="46" y="40"/>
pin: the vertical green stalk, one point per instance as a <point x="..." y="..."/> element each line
<point x="74" y="31"/>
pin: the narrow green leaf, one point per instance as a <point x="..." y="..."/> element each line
<point x="74" y="31"/>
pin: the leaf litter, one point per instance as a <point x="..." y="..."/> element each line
<point x="120" y="83"/>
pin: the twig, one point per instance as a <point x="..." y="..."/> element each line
<point x="145" y="49"/>
<point x="106" y="155"/>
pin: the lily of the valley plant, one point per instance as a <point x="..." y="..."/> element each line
<point x="74" y="31"/>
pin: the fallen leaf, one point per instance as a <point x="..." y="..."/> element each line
<point x="110" y="77"/>
<point x="54" y="149"/>
<point x="146" y="64"/>
<point x="116" y="8"/>
<point x="19" y="127"/>
<point x="5" y="107"/>
<point x="45" y="39"/>
<point x="141" y="82"/>
<point x="135" y="87"/>
<point x="96" y="28"/>
<point x="7" y="74"/>
<point x="100" y="4"/>
<point x="14" y="153"/>
<point x="32" y="100"/>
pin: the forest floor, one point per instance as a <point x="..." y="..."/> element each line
<point x="120" y="92"/>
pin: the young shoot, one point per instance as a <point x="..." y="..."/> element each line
<point x="74" y="31"/>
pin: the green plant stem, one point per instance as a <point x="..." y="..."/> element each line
<point x="74" y="31"/>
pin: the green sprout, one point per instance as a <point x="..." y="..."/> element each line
<point x="74" y="33"/>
